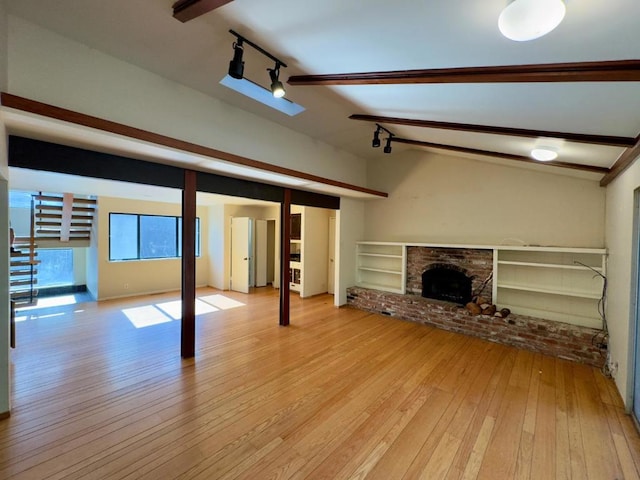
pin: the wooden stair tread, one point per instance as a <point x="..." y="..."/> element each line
<point x="22" y="273"/>
<point x="20" y="283"/>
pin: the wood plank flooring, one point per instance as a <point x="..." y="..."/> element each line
<point x="340" y="394"/>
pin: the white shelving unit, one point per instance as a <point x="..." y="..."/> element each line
<point x="381" y="266"/>
<point x="295" y="267"/>
<point x="552" y="283"/>
<point x="559" y="284"/>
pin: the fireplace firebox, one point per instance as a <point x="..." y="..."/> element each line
<point x="446" y="282"/>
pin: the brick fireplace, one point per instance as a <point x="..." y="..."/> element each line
<point x="549" y="337"/>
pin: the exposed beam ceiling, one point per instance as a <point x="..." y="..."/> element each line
<point x="575" y="81"/>
<point x="625" y="161"/>
<point x="185" y="10"/>
<point x="608" y="71"/>
<point x="515" y="132"/>
<point x="506" y="156"/>
<point x="77" y="118"/>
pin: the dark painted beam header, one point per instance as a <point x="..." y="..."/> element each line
<point x="52" y="157"/>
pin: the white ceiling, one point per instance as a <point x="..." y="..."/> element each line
<point x="342" y="36"/>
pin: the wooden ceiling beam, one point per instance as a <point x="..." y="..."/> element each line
<point x="625" y="160"/>
<point x="608" y="140"/>
<point x="506" y="156"/>
<point x="606" y="71"/>
<point x="185" y="10"/>
<point x="32" y="106"/>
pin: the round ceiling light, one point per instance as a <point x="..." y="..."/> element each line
<point x="524" y="20"/>
<point x="544" y="154"/>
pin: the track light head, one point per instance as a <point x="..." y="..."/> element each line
<point x="387" y="147"/>
<point x="375" y="143"/>
<point x="236" y="66"/>
<point x="276" y="85"/>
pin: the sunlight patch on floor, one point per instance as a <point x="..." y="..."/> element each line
<point x="52" y="302"/>
<point x="155" y="314"/>
<point x="146" y="316"/>
<point x="174" y="309"/>
<point x="221" y="302"/>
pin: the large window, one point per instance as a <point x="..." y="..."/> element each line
<point x="56" y="267"/>
<point x="139" y="237"/>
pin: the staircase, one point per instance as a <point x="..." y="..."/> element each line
<point x="56" y="221"/>
<point x="23" y="271"/>
<point x="63" y="218"/>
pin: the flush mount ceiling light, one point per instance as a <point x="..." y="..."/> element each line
<point x="544" y="154"/>
<point x="236" y="66"/>
<point x="524" y="20"/>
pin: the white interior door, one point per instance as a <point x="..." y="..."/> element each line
<point x="240" y="253"/>
<point x="331" y="272"/>
<point x="261" y="253"/>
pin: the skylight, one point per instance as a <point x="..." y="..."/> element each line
<point x="262" y="95"/>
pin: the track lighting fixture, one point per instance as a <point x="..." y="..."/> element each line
<point x="387" y="147"/>
<point x="236" y="66"/>
<point x="276" y="85"/>
<point x="375" y="143"/>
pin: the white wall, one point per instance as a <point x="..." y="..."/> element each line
<point x="49" y="68"/>
<point x="216" y="247"/>
<point x="93" y="257"/>
<point x="349" y="230"/>
<point x="315" y="250"/>
<point x="4" y="227"/>
<point x="118" y="279"/>
<point x="20" y="221"/>
<point x="444" y="199"/>
<point x="619" y="228"/>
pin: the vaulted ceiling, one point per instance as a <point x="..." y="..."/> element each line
<point x="590" y="123"/>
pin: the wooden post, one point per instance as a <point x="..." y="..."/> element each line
<point x="188" y="328"/>
<point x="285" y="250"/>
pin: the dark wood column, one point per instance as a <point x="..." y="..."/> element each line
<point x="285" y="250"/>
<point x="188" y="330"/>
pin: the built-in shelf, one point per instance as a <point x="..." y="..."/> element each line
<point x="550" y="265"/>
<point x="392" y="272"/>
<point x="381" y="266"/>
<point x="563" y="284"/>
<point x="380" y="255"/>
<point x="548" y="291"/>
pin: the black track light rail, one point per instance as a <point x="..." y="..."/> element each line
<point x="279" y="63"/>
<point x="380" y="127"/>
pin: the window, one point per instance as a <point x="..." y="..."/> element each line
<point x="56" y="267"/>
<point x="139" y="237"/>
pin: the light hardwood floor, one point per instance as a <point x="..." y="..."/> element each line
<point x="339" y="394"/>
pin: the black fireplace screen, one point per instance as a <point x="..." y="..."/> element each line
<point x="446" y="283"/>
